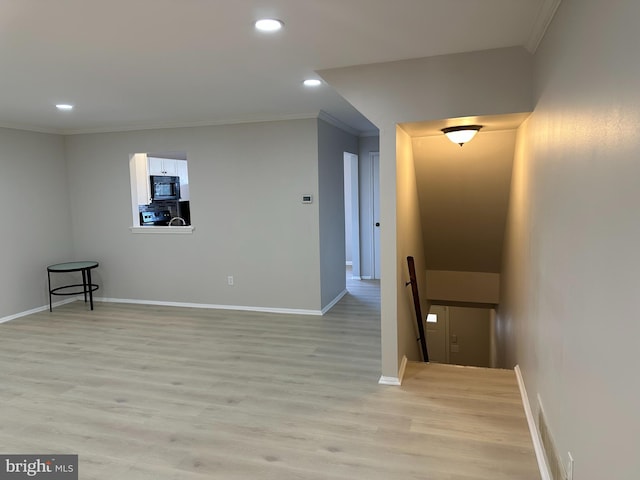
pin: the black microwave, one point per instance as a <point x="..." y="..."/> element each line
<point x="164" y="187"/>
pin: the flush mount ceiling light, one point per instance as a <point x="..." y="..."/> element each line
<point x="65" y="107"/>
<point x="312" y="82"/>
<point x="461" y="134"/>
<point x="268" y="25"/>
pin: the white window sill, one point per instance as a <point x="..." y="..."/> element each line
<point x="163" y="230"/>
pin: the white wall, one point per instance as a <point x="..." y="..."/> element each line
<point x="36" y="224"/>
<point x="486" y="82"/>
<point x="246" y="185"/>
<point x="464" y="196"/>
<point x="409" y="242"/>
<point x="348" y="209"/>
<point x="332" y="143"/>
<point x="569" y="312"/>
<point x="474" y="287"/>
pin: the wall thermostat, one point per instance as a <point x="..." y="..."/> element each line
<point x="307" y="198"/>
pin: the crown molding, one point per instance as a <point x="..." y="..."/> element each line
<point x="204" y="123"/>
<point x="370" y="133"/>
<point x="158" y="126"/>
<point x="322" y="115"/>
<point x="545" y="16"/>
<point x="30" y="128"/>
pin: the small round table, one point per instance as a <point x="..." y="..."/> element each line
<point x="87" y="287"/>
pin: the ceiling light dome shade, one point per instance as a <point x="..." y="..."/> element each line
<point x="461" y="134"/>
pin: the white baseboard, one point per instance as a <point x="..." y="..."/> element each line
<point x="545" y="474"/>
<point x="37" y="310"/>
<point x="334" y="301"/>
<point x="396" y="381"/>
<point x="389" y="381"/>
<point x="356" y="277"/>
<point x="288" y="311"/>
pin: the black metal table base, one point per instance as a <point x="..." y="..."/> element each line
<point x="87" y="286"/>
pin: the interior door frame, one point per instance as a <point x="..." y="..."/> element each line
<point x="375" y="215"/>
<point x="445" y="320"/>
<point x="352" y="189"/>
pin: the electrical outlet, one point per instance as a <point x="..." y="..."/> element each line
<point x="569" y="466"/>
<point x="230" y="280"/>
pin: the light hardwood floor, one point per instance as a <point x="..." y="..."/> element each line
<point x="143" y="392"/>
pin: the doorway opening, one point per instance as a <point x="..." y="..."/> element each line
<point x="352" y="214"/>
<point x="461" y="335"/>
<point x="362" y="237"/>
<point x="362" y="215"/>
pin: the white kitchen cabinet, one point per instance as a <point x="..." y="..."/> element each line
<point x="182" y="172"/>
<point x="163" y="166"/>
<point x="146" y="166"/>
<point x="142" y="179"/>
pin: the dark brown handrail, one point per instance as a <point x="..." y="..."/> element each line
<point x="416" y="303"/>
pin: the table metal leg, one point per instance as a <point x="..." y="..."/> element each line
<point x="49" y="279"/>
<point x="84" y="284"/>
<point x="90" y="289"/>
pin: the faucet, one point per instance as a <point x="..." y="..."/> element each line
<point x="184" y="224"/>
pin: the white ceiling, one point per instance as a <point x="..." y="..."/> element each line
<point x="130" y="64"/>
<point x="464" y="197"/>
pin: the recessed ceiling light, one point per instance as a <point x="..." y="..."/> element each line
<point x="268" y="25"/>
<point x="64" y="107"/>
<point x="312" y="82"/>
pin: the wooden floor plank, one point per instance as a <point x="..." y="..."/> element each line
<point x="148" y="392"/>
